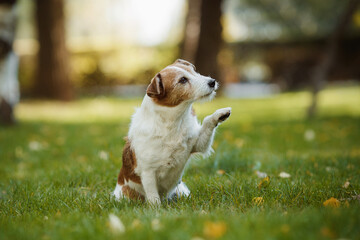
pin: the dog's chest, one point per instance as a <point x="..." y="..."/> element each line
<point x="165" y="149"/>
<point x="170" y="170"/>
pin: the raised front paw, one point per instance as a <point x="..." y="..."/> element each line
<point x="222" y="114"/>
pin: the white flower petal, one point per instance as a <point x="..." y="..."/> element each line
<point x="309" y="135"/>
<point x="104" y="155"/>
<point x="35" y="146"/>
<point x="116" y="224"/>
<point x="284" y="175"/>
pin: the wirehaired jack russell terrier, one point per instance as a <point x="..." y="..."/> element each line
<point x="164" y="132"/>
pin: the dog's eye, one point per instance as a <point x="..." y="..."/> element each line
<point x="183" y="80"/>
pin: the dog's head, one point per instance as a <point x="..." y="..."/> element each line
<point x="178" y="83"/>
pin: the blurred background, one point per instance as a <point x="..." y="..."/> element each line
<point x="65" y="49"/>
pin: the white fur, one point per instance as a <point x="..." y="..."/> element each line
<point x="163" y="138"/>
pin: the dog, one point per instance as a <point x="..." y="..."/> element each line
<point x="164" y="133"/>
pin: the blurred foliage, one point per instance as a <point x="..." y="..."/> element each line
<point x="288" y="19"/>
<point x="121" y="65"/>
<point x="106" y="61"/>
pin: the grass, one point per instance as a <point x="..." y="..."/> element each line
<point x="60" y="163"/>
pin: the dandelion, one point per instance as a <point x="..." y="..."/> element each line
<point x="214" y="229"/>
<point x="332" y="202"/>
<point x="264" y="182"/>
<point x="220" y="172"/>
<point x="116" y="224"/>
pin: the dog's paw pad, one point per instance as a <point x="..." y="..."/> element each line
<point x="222" y="114"/>
<point x="224" y="117"/>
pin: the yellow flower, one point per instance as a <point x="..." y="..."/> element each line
<point x="264" y="182"/>
<point x="332" y="202"/>
<point x="258" y="200"/>
<point x="214" y="229"/>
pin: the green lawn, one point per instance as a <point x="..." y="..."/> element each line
<point x="60" y="163"/>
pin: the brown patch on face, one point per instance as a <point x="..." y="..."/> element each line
<point x="129" y="164"/>
<point x="171" y="92"/>
<point x="132" y="194"/>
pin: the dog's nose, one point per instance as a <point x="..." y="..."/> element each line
<point x="211" y="83"/>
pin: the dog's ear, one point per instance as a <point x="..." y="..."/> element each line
<point x="186" y="63"/>
<point x="156" y="87"/>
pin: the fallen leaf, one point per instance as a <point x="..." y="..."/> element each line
<point x="327" y="232"/>
<point x="284" y="175"/>
<point x="220" y="172"/>
<point x="356" y="197"/>
<point x="258" y="200"/>
<point x="214" y="229"/>
<point x="115" y="224"/>
<point x="346" y="184"/>
<point x="261" y="174"/>
<point x="264" y="182"/>
<point x="332" y="202"/>
<point x="285" y="228"/>
<point x="58" y="213"/>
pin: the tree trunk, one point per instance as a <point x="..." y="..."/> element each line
<point x="53" y="69"/>
<point x="203" y="37"/>
<point x="323" y="69"/>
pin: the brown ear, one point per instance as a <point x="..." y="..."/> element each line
<point x="186" y="63"/>
<point x="156" y="87"/>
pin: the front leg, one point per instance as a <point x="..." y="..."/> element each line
<point x="206" y="135"/>
<point x="149" y="183"/>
